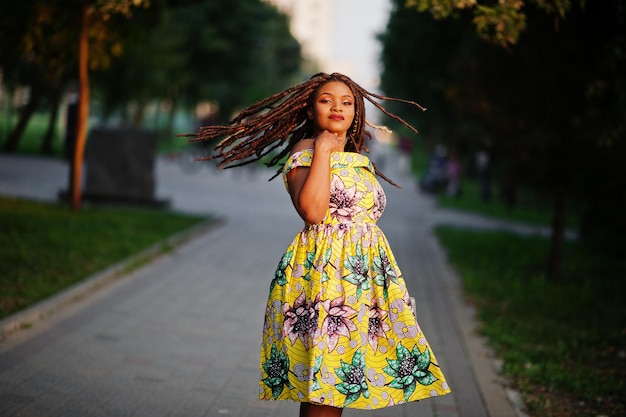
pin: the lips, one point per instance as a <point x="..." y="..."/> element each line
<point x="336" y="117"/>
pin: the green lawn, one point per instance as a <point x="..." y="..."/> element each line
<point x="529" y="208"/>
<point x="31" y="141"/>
<point x="563" y="344"/>
<point x="45" y="248"/>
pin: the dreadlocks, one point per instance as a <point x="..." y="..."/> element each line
<point x="280" y="121"/>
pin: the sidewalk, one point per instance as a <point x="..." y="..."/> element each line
<point x="180" y="336"/>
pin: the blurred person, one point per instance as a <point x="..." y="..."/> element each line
<point x="405" y="147"/>
<point x="453" y="188"/>
<point x="483" y="166"/>
<point x="340" y="328"/>
<point x="435" y="178"/>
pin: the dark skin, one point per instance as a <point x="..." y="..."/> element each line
<point x="309" y="187"/>
<point x="316" y="410"/>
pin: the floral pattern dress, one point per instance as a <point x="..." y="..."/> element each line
<point x="339" y="326"/>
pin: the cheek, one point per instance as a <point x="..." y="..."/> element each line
<point x="317" y="113"/>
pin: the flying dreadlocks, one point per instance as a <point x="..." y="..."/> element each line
<point x="280" y="121"/>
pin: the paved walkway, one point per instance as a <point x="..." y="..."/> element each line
<point x="180" y="335"/>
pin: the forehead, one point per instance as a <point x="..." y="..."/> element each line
<point x="336" y="88"/>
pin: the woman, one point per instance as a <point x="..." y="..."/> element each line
<point x="339" y="329"/>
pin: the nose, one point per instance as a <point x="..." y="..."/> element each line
<point x="335" y="106"/>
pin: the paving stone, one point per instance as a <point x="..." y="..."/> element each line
<point x="180" y="336"/>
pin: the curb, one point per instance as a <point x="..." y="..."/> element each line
<point x="499" y="398"/>
<point x="45" y="308"/>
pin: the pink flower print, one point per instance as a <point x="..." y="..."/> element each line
<point x="404" y="330"/>
<point x="301" y="320"/>
<point x="304" y="238"/>
<point x="341" y="229"/>
<point x="380" y="201"/>
<point x="359" y="233"/>
<point x="377" y="325"/>
<point x="269" y="319"/>
<point x="344" y="201"/>
<point x="409" y="302"/>
<point x="338" y="321"/>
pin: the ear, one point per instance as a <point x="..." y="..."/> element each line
<point x="309" y="113"/>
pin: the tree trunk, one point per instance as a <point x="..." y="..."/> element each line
<point x="48" y="138"/>
<point x="16" y="134"/>
<point x="83" y="111"/>
<point x="139" y="113"/>
<point x="169" y="125"/>
<point x="555" y="259"/>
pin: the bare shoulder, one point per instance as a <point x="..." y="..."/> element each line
<point x="303" y="144"/>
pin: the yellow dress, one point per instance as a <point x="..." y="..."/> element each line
<point x="339" y="326"/>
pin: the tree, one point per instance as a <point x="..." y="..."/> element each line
<point x="58" y="34"/>
<point x="37" y="57"/>
<point x="238" y="51"/>
<point x="231" y="52"/>
<point x="544" y="101"/>
<point x="500" y="22"/>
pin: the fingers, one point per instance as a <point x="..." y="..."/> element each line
<point x="330" y="135"/>
<point x="330" y="141"/>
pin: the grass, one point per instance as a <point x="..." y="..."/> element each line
<point x="529" y="209"/>
<point x="45" y="248"/>
<point x="563" y="345"/>
<point x="31" y="141"/>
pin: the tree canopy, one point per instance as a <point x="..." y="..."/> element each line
<point x="549" y="103"/>
<point x="501" y="22"/>
<point x="140" y="51"/>
<point x="227" y="51"/>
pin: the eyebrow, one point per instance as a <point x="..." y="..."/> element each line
<point x="330" y="94"/>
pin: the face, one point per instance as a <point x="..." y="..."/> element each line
<point x="333" y="108"/>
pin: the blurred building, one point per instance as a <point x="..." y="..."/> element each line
<point x="311" y="23"/>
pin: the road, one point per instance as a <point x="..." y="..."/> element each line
<point x="180" y="335"/>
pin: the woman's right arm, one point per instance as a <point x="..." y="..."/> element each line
<point x="309" y="187"/>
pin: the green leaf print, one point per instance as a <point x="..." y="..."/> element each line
<point x="277" y="370"/>
<point x="383" y="271"/>
<point x="322" y="267"/>
<point x="357" y="265"/>
<point x="353" y="376"/>
<point x="280" y="277"/>
<point x="308" y="265"/>
<point x="423" y="359"/>
<point x="410" y="368"/>
<point x="315" y="385"/>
